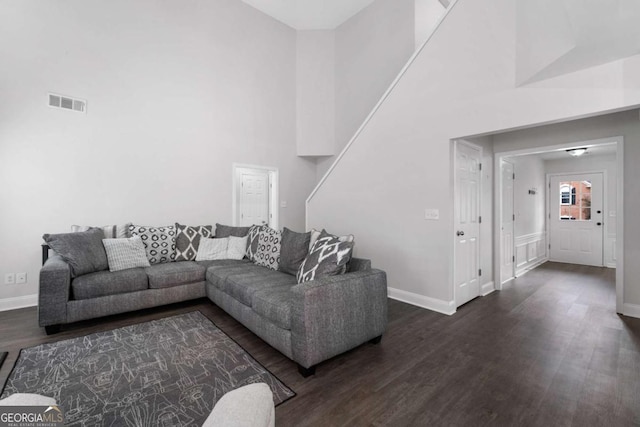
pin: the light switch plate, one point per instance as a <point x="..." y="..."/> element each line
<point x="432" y="214"/>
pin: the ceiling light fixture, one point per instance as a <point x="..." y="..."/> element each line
<point x="575" y="152"/>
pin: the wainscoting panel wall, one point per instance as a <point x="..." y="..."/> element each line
<point x="531" y="251"/>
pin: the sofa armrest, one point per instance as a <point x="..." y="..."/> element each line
<point x="55" y="284"/>
<point x="359" y="264"/>
<point x="337" y="313"/>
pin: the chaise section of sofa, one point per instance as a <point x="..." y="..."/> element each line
<point x="309" y="322"/>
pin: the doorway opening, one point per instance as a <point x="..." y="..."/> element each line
<point x="564" y="208"/>
<point x="255" y="196"/>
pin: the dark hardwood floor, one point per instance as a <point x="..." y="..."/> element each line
<point x="549" y="350"/>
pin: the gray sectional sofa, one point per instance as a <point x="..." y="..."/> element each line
<point x="309" y="322"/>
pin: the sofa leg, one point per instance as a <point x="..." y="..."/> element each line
<point x="52" y="329"/>
<point x="376" y="340"/>
<point x="306" y="372"/>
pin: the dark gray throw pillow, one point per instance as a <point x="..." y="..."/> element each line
<point x="227" y="230"/>
<point x="84" y="251"/>
<point x="188" y="240"/>
<point x="294" y="248"/>
<point x="328" y="257"/>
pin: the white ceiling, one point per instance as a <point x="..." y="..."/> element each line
<point x="310" y="14"/>
<point x="597" y="150"/>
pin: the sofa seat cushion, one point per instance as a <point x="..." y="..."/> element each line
<point x="242" y="280"/>
<point x="175" y="274"/>
<point x="103" y="283"/>
<point x="275" y="304"/>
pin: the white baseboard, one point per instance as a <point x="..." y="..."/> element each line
<point x="611" y="265"/>
<point x="530" y="267"/>
<point x="7" y="304"/>
<point x="487" y="288"/>
<point x="433" y="304"/>
<point x="631" y="310"/>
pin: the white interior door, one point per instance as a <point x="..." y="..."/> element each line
<point x="253" y="200"/>
<point x="507" y="226"/>
<point x="576" y="219"/>
<point x="467" y="222"/>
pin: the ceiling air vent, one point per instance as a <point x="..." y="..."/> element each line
<point x="67" y="103"/>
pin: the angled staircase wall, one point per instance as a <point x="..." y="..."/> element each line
<point x="461" y="83"/>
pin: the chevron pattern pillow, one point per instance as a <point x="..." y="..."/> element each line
<point x="328" y="257"/>
<point x="188" y="240"/>
<point x="252" y="244"/>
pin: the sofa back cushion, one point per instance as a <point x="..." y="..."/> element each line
<point x="159" y="242"/>
<point x="293" y="250"/>
<point x="188" y="240"/>
<point x="226" y="231"/>
<point x="83" y="251"/>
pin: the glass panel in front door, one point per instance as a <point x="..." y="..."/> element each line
<point x="575" y="200"/>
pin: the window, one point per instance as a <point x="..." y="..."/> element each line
<point x="565" y="194"/>
<point x="575" y="200"/>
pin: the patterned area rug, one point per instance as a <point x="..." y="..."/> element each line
<point x="167" y="372"/>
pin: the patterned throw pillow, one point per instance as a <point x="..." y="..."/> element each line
<point x="315" y="234"/>
<point x="252" y="244"/>
<point x="188" y="240"/>
<point x="268" y="252"/>
<point x="159" y="242"/>
<point x="125" y="253"/>
<point x="328" y="257"/>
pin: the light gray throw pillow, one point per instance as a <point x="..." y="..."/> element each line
<point x="125" y="253"/>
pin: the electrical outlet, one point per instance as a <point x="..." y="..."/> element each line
<point x="21" y="278"/>
<point x="10" y="279"/>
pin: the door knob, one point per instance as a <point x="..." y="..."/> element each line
<point x="598" y="223"/>
<point x="460" y="233"/>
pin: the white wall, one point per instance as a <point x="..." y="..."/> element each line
<point x="315" y="93"/>
<point x="427" y="16"/>
<point x="530" y="209"/>
<point x="371" y="48"/>
<point x="177" y="92"/>
<point x="588" y="163"/>
<point x="461" y="83"/>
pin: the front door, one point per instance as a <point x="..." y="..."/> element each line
<point x="576" y="219"/>
<point x="467" y="222"/>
